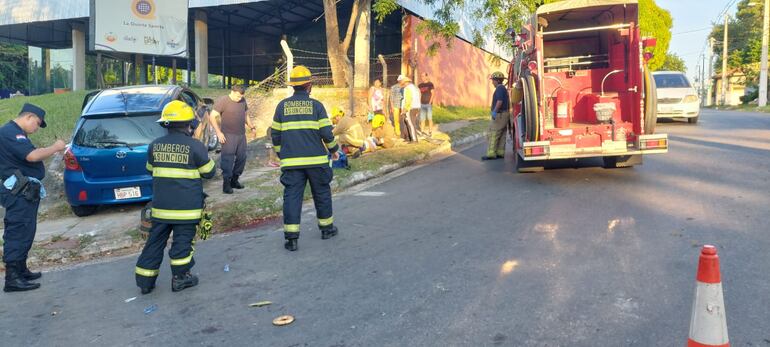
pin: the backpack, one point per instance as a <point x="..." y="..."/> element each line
<point x="342" y="162"/>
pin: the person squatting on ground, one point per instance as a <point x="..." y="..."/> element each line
<point x="178" y="163"/>
<point x="383" y="132"/>
<point x="21" y="173"/>
<point x="410" y="109"/>
<point x="501" y="117"/>
<point x="232" y="135"/>
<point x="302" y="137"/>
<point x="426" y="104"/>
<point x="350" y="134"/>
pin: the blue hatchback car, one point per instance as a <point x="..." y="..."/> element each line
<point x="105" y="163"/>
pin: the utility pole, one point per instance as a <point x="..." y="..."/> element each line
<point x="709" y="91"/>
<point x="724" y="62"/>
<point x="703" y="80"/>
<point x="763" y="66"/>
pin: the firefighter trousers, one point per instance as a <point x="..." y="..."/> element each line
<point x="294" y="182"/>
<point x="497" y="129"/>
<point x="181" y="252"/>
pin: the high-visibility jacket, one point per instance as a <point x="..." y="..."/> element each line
<point x="302" y="132"/>
<point x="349" y="132"/>
<point x="178" y="163"/>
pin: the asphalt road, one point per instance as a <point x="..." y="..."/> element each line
<point x="462" y="253"/>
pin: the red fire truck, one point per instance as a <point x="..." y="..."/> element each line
<point x="580" y="71"/>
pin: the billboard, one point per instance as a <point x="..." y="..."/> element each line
<point x="152" y="27"/>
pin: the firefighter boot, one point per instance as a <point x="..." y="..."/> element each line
<point x="180" y="282"/>
<point x="147" y="290"/>
<point x="329" y="232"/>
<point x="227" y="185"/>
<point x="291" y="244"/>
<point x="14" y="282"/>
<point x="29" y="275"/>
<point x="235" y="184"/>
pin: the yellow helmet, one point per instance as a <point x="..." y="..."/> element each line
<point x="378" y="121"/>
<point x="337" y="112"/>
<point x="300" y="75"/>
<point x="177" y="112"/>
<point x="497" y="75"/>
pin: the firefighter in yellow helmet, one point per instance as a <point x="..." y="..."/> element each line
<point x="383" y="132"/>
<point x="178" y="163"/>
<point x="302" y="137"/>
<point x="501" y="117"/>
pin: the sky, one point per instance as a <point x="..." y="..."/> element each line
<point x="692" y="24"/>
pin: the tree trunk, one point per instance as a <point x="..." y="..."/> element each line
<point x="333" y="46"/>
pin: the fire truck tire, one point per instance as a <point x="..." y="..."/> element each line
<point x="530" y="109"/>
<point x="650" y="103"/>
<point x="527" y="166"/>
<point x="622" y="161"/>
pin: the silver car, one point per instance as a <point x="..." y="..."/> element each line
<point x="676" y="96"/>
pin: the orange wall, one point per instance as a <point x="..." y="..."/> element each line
<point x="460" y="73"/>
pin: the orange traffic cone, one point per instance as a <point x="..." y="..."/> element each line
<point x="708" y="323"/>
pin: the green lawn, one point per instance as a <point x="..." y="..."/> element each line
<point x="447" y="114"/>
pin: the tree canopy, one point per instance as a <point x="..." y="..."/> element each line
<point x="744" y="48"/>
<point x="673" y="62"/>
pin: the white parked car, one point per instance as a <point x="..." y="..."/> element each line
<point x="676" y="96"/>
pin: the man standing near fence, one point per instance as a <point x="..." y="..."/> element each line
<point x="410" y="109"/>
<point x="232" y="135"/>
<point x="396" y="95"/>
<point x="426" y="105"/>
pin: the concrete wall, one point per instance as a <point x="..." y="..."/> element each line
<point x="460" y="73"/>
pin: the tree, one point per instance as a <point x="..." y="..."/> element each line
<point x="338" y="50"/>
<point x="673" y="62"/>
<point x="655" y="22"/>
<point x="13" y="67"/>
<point x="744" y="41"/>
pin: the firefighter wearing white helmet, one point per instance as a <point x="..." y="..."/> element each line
<point x="177" y="163"/>
<point x="302" y="137"/>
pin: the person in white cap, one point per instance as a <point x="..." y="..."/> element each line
<point x="410" y="108"/>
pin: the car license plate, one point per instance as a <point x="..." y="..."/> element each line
<point x="666" y="110"/>
<point x="127" y="193"/>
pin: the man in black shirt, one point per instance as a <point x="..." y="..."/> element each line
<point x="501" y="117"/>
<point x="232" y="135"/>
<point x="21" y="170"/>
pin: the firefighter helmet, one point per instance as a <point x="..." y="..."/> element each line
<point x="378" y="121"/>
<point x="497" y="75"/>
<point x="300" y="75"/>
<point x="337" y="112"/>
<point x="176" y="112"/>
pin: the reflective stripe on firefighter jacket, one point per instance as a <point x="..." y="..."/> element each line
<point x="177" y="163"/>
<point x="302" y="132"/>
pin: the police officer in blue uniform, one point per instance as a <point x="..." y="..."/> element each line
<point x="21" y="170"/>
<point x="302" y="137"/>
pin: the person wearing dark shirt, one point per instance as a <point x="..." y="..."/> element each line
<point x="232" y="135"/>
<point x="21" y="170"/>
<point x="426" y="104"/>
<point x="501" y="116"/>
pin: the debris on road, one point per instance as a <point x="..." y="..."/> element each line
<point x="260" y="304"/>
<point x="283" y="320"/>
<point x="227" y="268"/>
<point x="54" y="313"/>
<point x="129" y="300"/>
<point x="150" y="309"/>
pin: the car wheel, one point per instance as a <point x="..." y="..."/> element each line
<point x="693" y="120"/>
<point x="83" y="210"/>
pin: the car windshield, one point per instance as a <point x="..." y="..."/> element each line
<point x="671" y="81"/>
<point x="130" y="100"/>
<point x="128" y="131"/>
